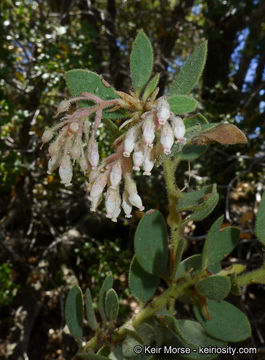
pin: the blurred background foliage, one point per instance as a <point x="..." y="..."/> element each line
<point x="48" y="238"/>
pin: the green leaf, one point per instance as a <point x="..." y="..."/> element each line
<point x="90" y="313"/>
<point x="116" y="353"/>
<point x="192" y="264"/>
<point x="107" y="284"/>
<point x="181" y="104"/>
<point x="150" y="243"/>
<point x="260" y="223"/>
<point x="142" y="284"/>
<point x="193" y="199"/>
<point x="80" y="80"/>
<point x="146" y="333"/>
<point x="214" y="287"/>
<point x="141" y="61"/>
<point x="218" y="243"/>
<point x="74" y="311"/>
<point x="226" y="322"/>
<point x="111" y="305"/>
<point x="190" y="72"/>
<point x="128" y="345"/>
<point x="205" y="209"/>
<point x="192" y="152"/>
<point x="194" y="337"/>
<point x="150" y="87"/>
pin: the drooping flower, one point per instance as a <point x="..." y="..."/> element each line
<point x="163" y="110"/>
<point x="178" y="126"/>
<point x="167" y="138"/>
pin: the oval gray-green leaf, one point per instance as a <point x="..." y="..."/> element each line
<point x="128" y="345"/>
<point x="214" y="287"/>
<point x="141" y="283"/>
<point x="260" y="223"/>
<point x="195" y="337"/>
<point x="107" y="284"/>
<point x="146" y="333"/>
<point x="181" y="104"/>
<point x="111" y="305"/>
<point x="190" y="72"/>
<point x="150" y="243"/>
<point x="90" y="313"/>
<point x="141" y="61"/>
<point x="218" y="243"/>
<point x="227" y="323"/>
<point x="74" y="311"/>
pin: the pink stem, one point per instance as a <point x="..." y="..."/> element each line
<point x="97" y="119"/>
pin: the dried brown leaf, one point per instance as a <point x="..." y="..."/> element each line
<point x="227" y="134"/>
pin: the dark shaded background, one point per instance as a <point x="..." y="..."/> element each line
<point x="49" y="240"/>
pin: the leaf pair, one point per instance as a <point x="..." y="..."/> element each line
<point x="108" y="306"/>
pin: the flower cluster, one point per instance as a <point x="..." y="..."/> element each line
<point x="153" y="132"/>
<point x="76" y="140"/>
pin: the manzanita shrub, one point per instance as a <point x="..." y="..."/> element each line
<point x="153" y="132"/>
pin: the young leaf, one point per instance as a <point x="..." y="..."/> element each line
<point x="142" y="284"/>
<point x="181" y="104"/>
<point x="226" y="322"/>
<point x="74" y="311"/>
<point x="79" y="81"/>
<point x="260" y="223"/>
<point x="190" y="72"/>
<point x="107" y="284"/>
<point x="111" y="305"/>
<point x="90" y="313"/>
<point x="150" y="243"/>
<point x="219" y="244"/>
<point x="141" y="61"/>
<point x="214" y="287"/>
<point x="150" y="87"/>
